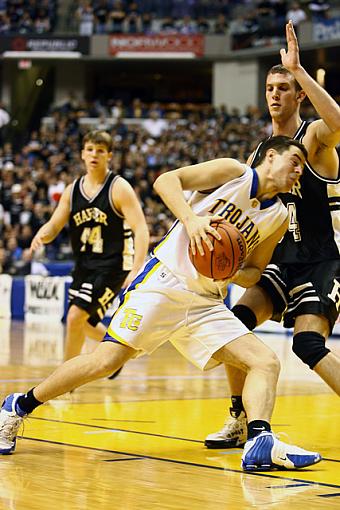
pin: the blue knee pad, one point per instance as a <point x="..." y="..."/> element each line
<point x="309" y="346"/>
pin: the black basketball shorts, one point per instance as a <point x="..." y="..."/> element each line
<point x="303" y="289"/>
<point x="94" y="291"/>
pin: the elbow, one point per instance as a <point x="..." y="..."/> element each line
<point x="157" y="185"/>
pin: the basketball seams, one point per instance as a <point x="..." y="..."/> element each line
<point x="211" y="267"/>
<point x="212" y="256"/>
<point x="232" y="249"/>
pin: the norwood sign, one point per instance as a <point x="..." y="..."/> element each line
<point x="162" y="46"/>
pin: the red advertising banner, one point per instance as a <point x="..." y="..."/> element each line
<point x="146" y="46"/>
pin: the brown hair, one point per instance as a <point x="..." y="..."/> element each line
<point x="280" y="69"/>
<point x="280" y="144"/>
<point x="98" y="137"/>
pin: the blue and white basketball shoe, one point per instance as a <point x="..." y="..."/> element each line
<point x="265" y="452"/>
<point x="10" y="420"/>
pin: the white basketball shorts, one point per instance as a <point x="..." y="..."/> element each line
<point x="158" y="307"/>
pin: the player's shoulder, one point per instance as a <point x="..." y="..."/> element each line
<point x="233" y="167"/>
<point x="313" y="125"/>
<point x="66" y="194"/>
<point x="119" y="183"/>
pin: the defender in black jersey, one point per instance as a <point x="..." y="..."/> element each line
<point x="104" y="215"/>
<point x="301" y="285"/>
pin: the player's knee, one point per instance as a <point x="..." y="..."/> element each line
<point x="266" y="361"/>
<point x="310" y="347"/>
<point x="75" y="316"/>
<point x="245" y="315"/>
<point x="272" y="363"/>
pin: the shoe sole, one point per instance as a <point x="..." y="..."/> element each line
<point x="7" y="452"/>
<point x="215" y="445"/>
<point x="272" y="467"/>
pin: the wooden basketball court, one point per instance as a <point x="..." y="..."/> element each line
<point x="137" y="442"/>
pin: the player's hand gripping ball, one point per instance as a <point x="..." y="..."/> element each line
<point x="227" y="256"/>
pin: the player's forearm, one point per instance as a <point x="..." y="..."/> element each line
<point x="324" y="104"/>
<point x="247" y="277"/>
<point x="47" y="233"/>
<point x="168" y="186"/>
<point x="141" y="242"/>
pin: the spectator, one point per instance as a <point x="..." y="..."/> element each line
<point x="154" y="125"/>
<point x="319" y="9"/>
<point x="42" y="24"/>
<point x="4" y="262"/>
<point x="28" y="266"/>
<point x="25" y="237"/>
<point x="221" y="25"/>
<point x="137" y="109"/>
<point x="101" y="15"/>
<point x="16" y="205"/>
<point x="296" y="14"/>
<point x="116" y="17"/>
<point x="86" y="18"/>
<point x="203" y="26"/>
<point x="117" y="109"/>
<point x="132" y="23"/>
<point x="168" y="25"/>
<point x="14" y="250"/>
<point x="186" y="25"/>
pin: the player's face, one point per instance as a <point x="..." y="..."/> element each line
<point x="288" y="168"/>
<point x="95" y="156"/>
<point x="281" y="95"/>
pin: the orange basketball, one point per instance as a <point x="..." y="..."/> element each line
<point x="227" y="256"/>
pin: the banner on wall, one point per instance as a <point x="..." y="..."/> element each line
<point x="44" y="45"/>
<point x="164" y="46"/>
<point x="5" y="293"/>
<point x="327" y="30"/>
<point x="44" y="297"/>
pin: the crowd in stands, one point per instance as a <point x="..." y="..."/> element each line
<point x="261" y="17"/>
<point x="153" y="140"/>
<point x="27" y="16"/>
<point x="265" y="18"/>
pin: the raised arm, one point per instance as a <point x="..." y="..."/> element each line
<point x="203" y="176"/>
<point x="49" y="231"/>
<point x="326" y="131"/>
<point x="127" y="203"/>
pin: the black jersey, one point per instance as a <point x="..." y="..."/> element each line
<point x="100" y="238"/>
<point x="314" y="216"/>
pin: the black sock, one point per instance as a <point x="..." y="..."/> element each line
<point x="27" y="403"/>
<point x="255" y="428"/>
<point x="236" y="406"/>
<point x="245" y="315"/>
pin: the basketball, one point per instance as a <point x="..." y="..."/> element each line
<point x="227" y="256"/>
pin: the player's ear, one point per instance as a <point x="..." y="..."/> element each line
<point x="270" y="154"/>
<point x="300" y="96"/>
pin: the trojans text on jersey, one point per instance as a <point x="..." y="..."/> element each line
<point x="239" y="219"/>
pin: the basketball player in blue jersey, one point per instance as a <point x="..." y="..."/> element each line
<point x="301" y="285"/>
<point x="103" y="212"/>
<point x="169" y="300"/>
